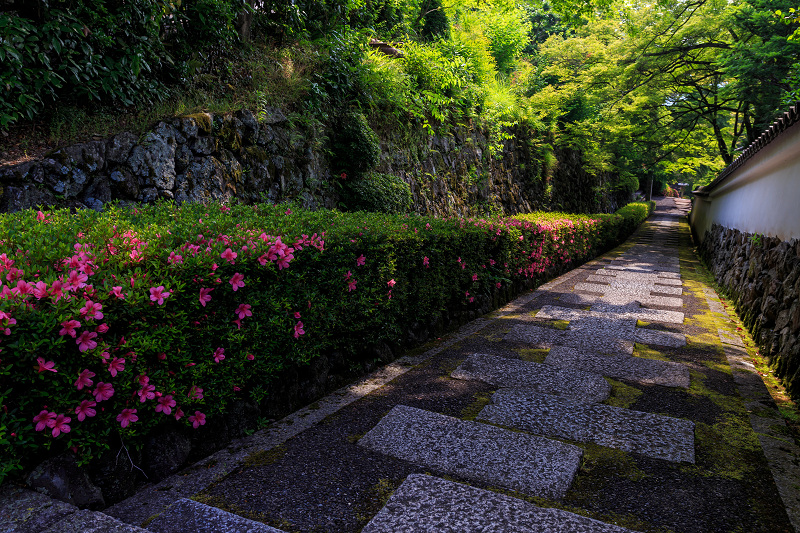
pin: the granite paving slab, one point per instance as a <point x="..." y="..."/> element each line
<point x="617" y="297"/>
<point x="518" y="461"/>
<point x="189" y="516"/>
<point x="659" y="338"/>
<point x="427" y="504"/>
<point x="629" y="287"/>
<point x="607" y="312"/>
<point x="645" y="371"/>
<point x="644" y="267"/>
<point x="638" y="284"/>
<point x="658" y="436"/>
<point x="730" y="338"/>
<point x="606" y="276"/>
<point x="625" y="274"/>
<point x="584" y="339"/>
<point x="505" y="372"/>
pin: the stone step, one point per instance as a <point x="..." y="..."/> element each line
<point x="610" y="313"/>
<point x="505" y="372"/>
<point x="477" y="452"/>
<point x="603" y="276"/>
<point x="615" y="297"/>
<point x="583" y="339"/>
<point x="644" y="371"/>
<point x="658" y="436"/>
<point x="189" y="516"/>
<point x="427" y="504"/>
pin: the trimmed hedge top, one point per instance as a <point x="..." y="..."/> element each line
<point x="114" y="322"/>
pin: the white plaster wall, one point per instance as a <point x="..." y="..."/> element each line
<point x="762" y="196"/>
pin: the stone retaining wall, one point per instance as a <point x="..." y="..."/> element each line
<point x="205" y="157"/>
<point x="762" y="274"/>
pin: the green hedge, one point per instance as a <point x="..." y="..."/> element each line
<point x="182" y="310"/>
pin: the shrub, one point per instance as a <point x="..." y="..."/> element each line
<point x="113" y="322"/>
<point x="376" y="192"/>
<point x="356" y="148"/>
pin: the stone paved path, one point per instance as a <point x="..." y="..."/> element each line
<point x="618" y="397"/>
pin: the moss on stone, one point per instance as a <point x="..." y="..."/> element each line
<point x="622" y="395"/>
<point x="725" y="449"/>
<point x="534" y="355"/>
<point x="482" y="399"/>
<point x="256" y="153"/>
<point x="645" y="352"/>
<point x="203" y="121"/>
<point x="265" y="457"/>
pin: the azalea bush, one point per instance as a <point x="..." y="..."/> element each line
<point x="113" y="323"/>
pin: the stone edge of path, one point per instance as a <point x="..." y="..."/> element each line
<point x="33" y="512"/>
<point x="783" y="455"/>
<point x="429" y="504"/>
<point x="204" y="519"/>
<point x="151" y="500"/>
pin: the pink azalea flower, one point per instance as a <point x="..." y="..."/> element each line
<point x="250" y="357"/>
<point x="197" y="419"/>
<point x="204" y="296"/>
<point x="85" y="341"/>
<point x="126" y="417"/>
<point x="60" y="425"/>
<point x="50" y="366"/>
<point x="44" y="419"/>
<point x="147" y="392"/>
<point x="68" y="328"/>
<point x="103" y="391"/>
<point x="195" y="393"/>
<point x="116" y="365"/>
<point x="92" y="310"/>
<point x="157" y="294"/>
<point x="361" y="260"/>
<point x="498" y="284"/>
<point x="23" y="287"/>
<point x="237" y="281"/>
<point x="298" y="329"/>
<point x="426" y="262"/>
<point x="175" y="259"/>
<point x="40" y="290"/>
<point x="348" y="275"/>
<point x="76" y="280"/>
<point x="84" y="410"/>
<point x="391" y="283"/>
<point x="39" y="216"/>
<point x="474" y="277"/>
<point x="351" y="285"/>
<point x="56" y="290"/>
<point x="178" y="413"/>
<point x="243" y="311"/>
<point x="229" y="255"/>
<point x="84" y="379"/>
<point x="101" y="328"/>
<point x="165" y="404"/>
<point x="297" y="314"/>
<point x="219" y="355"/>
<point x="117" y="291"/>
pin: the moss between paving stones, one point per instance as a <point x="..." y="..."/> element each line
<point x="533" y="355"/>
<point x="622" y="395"/>
<point x="265" y="457"/>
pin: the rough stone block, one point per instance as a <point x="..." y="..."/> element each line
<point x="584" y="339"/>
<point x="475" y="451"/>
<point x="426" y="504"/>
<point x="504" y="372"/>
<point x="658" y="436"/>
<point x="645" y="371"/>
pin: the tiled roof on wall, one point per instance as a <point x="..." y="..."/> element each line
<point x="779" y="126"/>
